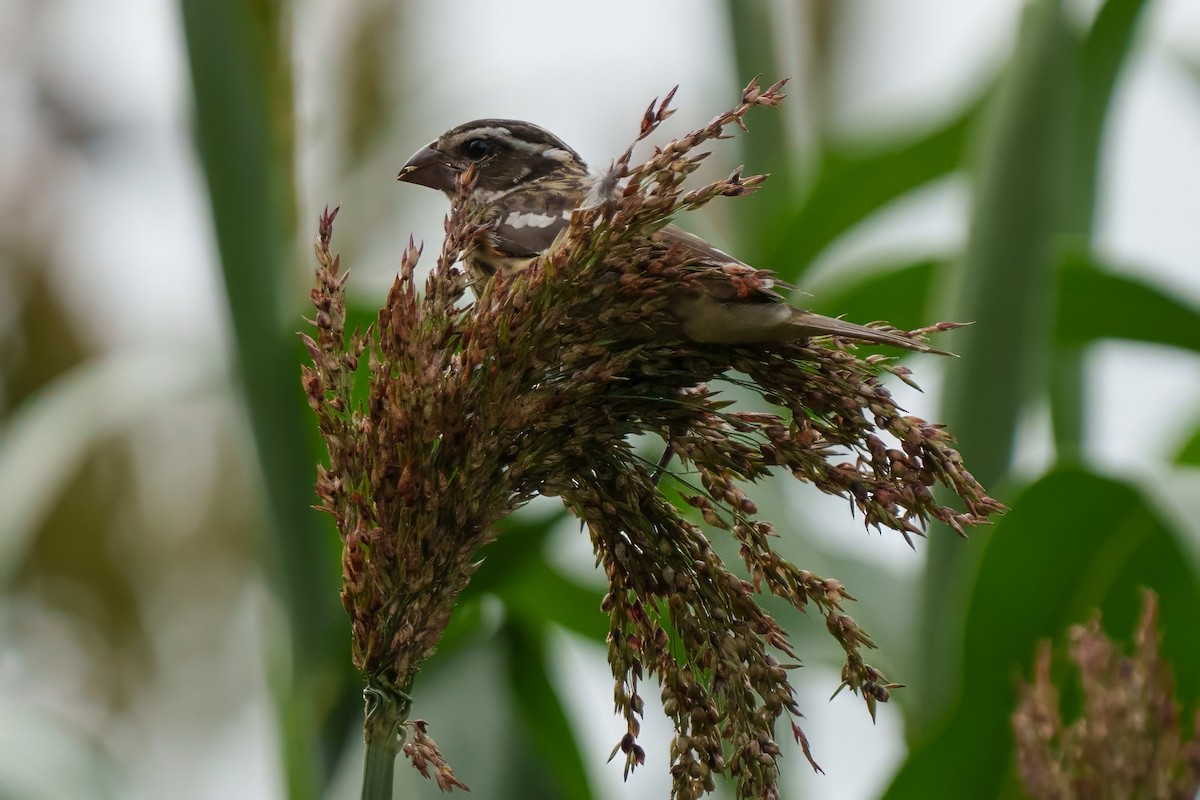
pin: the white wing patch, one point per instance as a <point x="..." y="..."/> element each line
<point x="529" y="219"/>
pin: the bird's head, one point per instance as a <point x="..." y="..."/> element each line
<point x="508" y="154"/>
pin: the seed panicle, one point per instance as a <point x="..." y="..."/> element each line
<point x="534" y="388"/>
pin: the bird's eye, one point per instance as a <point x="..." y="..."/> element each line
<point x="477" y="149"/>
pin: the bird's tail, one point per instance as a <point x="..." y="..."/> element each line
<point x="806" y="323"/>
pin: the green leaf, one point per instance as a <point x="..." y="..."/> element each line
<point x="1101" y="57"/>
<point x="521" y="539"/>
<point x="360" y="316"/>
<point x="541" y="592"/>
<point x="1102" y="54"/>
<point x="898" y="294"/>
<point x="1072" y="542"/>
<point x="545" y="719"/>
<point x="1007" y="290"/>
<point x="751" y="26"/>
<point x="240" y="73"/>
<point x="1189" y="454"/>
<point x="1096" y="303"/>
<point x="515" y="570"/>
<point x="851" y="186"/>
<point x="1007" y="274"/>
<point x="464" y="628"/>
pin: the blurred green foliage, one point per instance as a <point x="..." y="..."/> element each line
<point x="1038" y="296"/>
<point x="242" y="80"/>
<point x="1029" y="277"/>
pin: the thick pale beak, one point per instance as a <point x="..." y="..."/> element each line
<point x="429" y="167"/>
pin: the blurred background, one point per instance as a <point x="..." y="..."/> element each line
<point x="169" y="621"/>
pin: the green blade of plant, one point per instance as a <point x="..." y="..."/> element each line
<point x="754" y="52"/>
<point x="541" y="592"/>
<point x="514" y="569"/>
<point x="1101" y="57"/>
<point x="1094" y="302"/>
<point x="545" y="719"/>
<point x="521" y="540"/>
<point x="1072" y="542"/>
<point x="1007" y="275"/>
<point x="466" y="624"/>
<point x="767" y="149"/>
<point x="1189" y="452"/>
<point x="1097" y="303"/>
<point x="1006" y="288"/>
<point x="242" y="90"/>
<point x="851" y="186"/>
<point x="898" y="294"/>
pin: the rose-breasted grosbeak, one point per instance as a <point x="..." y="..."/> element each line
<point x="528" y="181"/>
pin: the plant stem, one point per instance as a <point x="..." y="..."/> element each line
<point x="386" y="711"/>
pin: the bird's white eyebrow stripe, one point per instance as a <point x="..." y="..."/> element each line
<point x="538" y="148"/>
<point x="529" y="219"/>
<point x="476" y="133"/>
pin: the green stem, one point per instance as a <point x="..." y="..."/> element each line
<point x="386" y="712"/>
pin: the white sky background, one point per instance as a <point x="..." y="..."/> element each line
<point x="135" y="251"/>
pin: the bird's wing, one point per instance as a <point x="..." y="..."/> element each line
<point x="727" y="301"/>
<point x="530" y="221"/>
<point x="674" y="236"/>
<point x="723" y="277"/>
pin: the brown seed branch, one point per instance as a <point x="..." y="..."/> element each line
<point x="1129" y="740"/>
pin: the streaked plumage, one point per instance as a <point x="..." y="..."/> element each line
<point x="529" y="181"/>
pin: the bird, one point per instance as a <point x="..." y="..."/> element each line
<point x="527" y="184"/>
